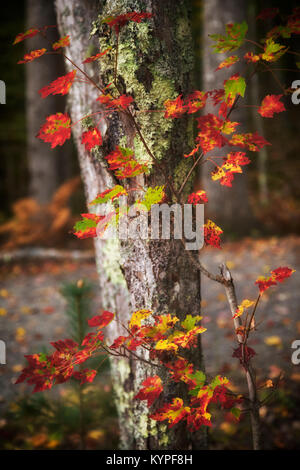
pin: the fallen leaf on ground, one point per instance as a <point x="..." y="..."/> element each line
<point x="273" y="341"/>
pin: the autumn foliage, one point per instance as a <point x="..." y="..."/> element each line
<point x="165" y="338"/>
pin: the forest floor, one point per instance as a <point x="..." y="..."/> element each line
<point x="32" y="315"/>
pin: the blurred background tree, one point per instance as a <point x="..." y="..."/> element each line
<point x="48" y="168"/>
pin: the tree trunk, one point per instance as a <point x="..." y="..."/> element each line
<point x="228" y="207"/>
<point x="155" y="63"/>
<point x="47" y="168"/>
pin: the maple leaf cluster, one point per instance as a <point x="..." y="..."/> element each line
<point x="44" y="371"/>
<point x="209" y="135"/>
<point x="277" y="275"/>
<point x="178" y="107"/>
<point x="212" y="234"/>
<point x="122" y="161"/>
<point x="115" y="103"/>
<point x="196" y="414"/>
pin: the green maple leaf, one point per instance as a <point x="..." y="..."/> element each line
<point x="235" y="86"/>
<point x="234" y="38"/>
<point x="106" y="196"/>
<point x="84" y="224"/>
<point x="190" y="321"/>
<point x="273" y="51"/>
<point x="199" y="378"/>
<point x="236" y="412"/>
<point x="152" y="196"/>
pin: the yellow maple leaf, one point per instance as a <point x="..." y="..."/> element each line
<point x="245" y="304"/>
<point x="164" y="344"/>
<point x="138" y="316"/>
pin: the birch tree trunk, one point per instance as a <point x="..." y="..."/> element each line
<point x="228" y="207"/>
<point x="155" y="63"/>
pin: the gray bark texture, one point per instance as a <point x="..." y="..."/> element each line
<point x="228" y="207"/>
<point x="155" y="63"/>
<point x="47" y="168"/>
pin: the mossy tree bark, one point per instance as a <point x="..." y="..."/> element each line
<point x="155" y="63"/>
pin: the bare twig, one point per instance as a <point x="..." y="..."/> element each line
<point x="249" y="372"/>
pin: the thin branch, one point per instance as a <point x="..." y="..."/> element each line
<point x="250" y="376"/>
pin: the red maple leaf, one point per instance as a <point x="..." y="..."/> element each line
<point x="267" y="13"/>
<point x="85" y="375"/>
<point x="228" y="62"/>
<point x="293" y="24"/>
<point x="151" y="389"/>
<point x="175" y="108"/>
<point x="210" y="135"/>
<point x="123" y="101"/>
<point x="271" y="104"/>
<point x="56" y="130"/>
<point x="91" y="138"/>
<point x="87" y="227"/>
<point x="243" y="353"/>
<point x="59" y="86"/>
<point x="199" y="197"/>
<point x="250" y="57"/>
<point x="173" y="412"/>
<point x="252" y="142"/>
<point x="118" y="342"/>
<point x="63" y="42"/>
<point x="280" y="274"/>
<point x="28" y="34"/>
<point x="92" y="58"/>
<point x="101" y="320"/>
<point x="195" y="101"/>
<point x="32" y="55"/>
<point x="117" y="22"/>
<point x="277" y="275"/>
